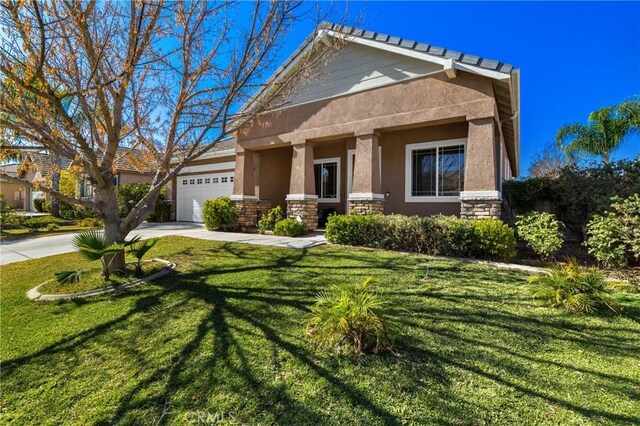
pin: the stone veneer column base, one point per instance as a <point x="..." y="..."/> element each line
<point x="305" y="207"/>
<point x="366" y="203"/>
<point x="480" y="205"/>
<point x="247" y="208"/>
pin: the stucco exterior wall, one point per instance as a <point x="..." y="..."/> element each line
<point x="7" y="190"/>
<point x="132" y="177"/>
<point x="393" y="168"/>
<point x="273" y="173"/>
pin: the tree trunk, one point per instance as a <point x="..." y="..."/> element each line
<point x="55" y="185"/>
<point x="108" y="207"/>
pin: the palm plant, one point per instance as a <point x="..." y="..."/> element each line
<point x="605" y="131"/>
<point x="93" y="245"/>
<point x="138" y="250"/>
<point x="573" y="289"/>
<point x="352" y="314"/>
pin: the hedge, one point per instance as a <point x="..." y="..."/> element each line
<point x="443" y="235"/>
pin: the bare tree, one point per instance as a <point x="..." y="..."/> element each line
<point x="549" y="161"/>
<point x="85" y="79"/>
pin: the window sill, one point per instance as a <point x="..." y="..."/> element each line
<point x="448" y="199"/>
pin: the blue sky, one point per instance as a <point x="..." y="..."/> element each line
<point x="574" y="57"/>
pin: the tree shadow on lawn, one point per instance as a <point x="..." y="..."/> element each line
<point x="249" y="339"/>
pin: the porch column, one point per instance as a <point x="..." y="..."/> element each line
<point x="481" y="198"/>
<point x="244" y="198"/>
<point x="302" y="201"/>
<point x="366" y="193"/>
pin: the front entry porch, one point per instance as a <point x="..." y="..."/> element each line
<point x="445" y="168"/>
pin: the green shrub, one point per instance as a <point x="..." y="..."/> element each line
<point x="268" y="221"/>
<point x="541" y="232"/>
<point x="38" y="204"/>
<point x="354" y="229"/>
<point x="46" y="206"/>
<point x="129" y="194"/>
<point x="494" y="239"/>
<point x="219" y="214"/>
<point x="40" y="222"/>
<point x="90" y="222"/>
<point x="574" y="290"/>
<point x="289" y="228"/>
<point x="52" y="226"/>
<point x="444" y="235"/>
<point x="614" y="238"/>
<point x="452" y="236"/>
<point x="352" y="316"/>
<point x="9" y="216"/>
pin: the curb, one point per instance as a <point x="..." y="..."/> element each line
<point x="34" y="294"/>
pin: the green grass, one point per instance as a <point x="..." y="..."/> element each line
<point x="24" y="233"/>
<point x="92" y="278"/>
<point x="224" y="337"/>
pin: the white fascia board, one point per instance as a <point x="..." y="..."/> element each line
<point x="208" y="168"/>
<point x="223" y="153"/>
<point x="514" y="89"/>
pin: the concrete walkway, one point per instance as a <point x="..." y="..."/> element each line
<point x="33" y="248"/>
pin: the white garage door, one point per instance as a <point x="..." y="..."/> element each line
<point x="193" y="190"/>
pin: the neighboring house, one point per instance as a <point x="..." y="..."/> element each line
<point x="36" y="167"/>
<point x="13" y="194"/>
<point x="389" y="125"/>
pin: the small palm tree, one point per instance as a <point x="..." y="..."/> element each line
<point x="138" y="250"/>
<point x="93" y="246"/>
<point x="604" y="132"/>
<point x="575" y="290"/>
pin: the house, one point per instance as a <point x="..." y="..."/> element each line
<point x="389" y="125"/>
<point x="13" y="194"/>
<point x="37" y="167"/>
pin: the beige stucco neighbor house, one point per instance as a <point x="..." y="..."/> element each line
<point x="389" y="125"/>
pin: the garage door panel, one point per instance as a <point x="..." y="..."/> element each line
<point x="194" y="190"/>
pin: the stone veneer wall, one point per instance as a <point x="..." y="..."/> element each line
<point x="306" y="209"/>
<point x="366" y="206"/>
<point x="480" y="209"/>
<point x="247" y="212"/>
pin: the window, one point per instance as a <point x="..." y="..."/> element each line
<point x="17" y="195"/>
<point x="224" y="179"/>
<point x="327" y="177"/>
<point x="192" y="181"/>
<point x="435" y="171"/>
<point x="215" y="180"/>
<point x="231" y="179"/>
<point x="199" y="182"/>
<point x="207" y="180"/>
<point x="116" y="180"/>
<point x="185" y="182"/>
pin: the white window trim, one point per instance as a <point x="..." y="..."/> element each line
<point x="408" y="178"/>
<point x="338" y="178"/>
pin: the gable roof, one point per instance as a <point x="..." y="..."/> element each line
<point x="505" y="77"/>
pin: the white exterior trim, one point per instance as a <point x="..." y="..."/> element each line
<point x="240" y="197"/>
<point x="409" y="148"/>
<point x="338" y="178"/>
<point x="301" y="197"/>
<point x="481" y="195"/>
<point x="365" y="196"/>
<point x="206" y="168"/>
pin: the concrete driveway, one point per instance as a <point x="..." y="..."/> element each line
<point x="33" y="248"/>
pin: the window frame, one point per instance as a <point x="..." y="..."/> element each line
<point x="408" y="168"/>
<point x="338" y="162"/>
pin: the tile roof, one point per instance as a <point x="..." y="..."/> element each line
<point x="465" y="58"/>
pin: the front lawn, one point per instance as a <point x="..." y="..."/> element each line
<point x="223" y="340"/>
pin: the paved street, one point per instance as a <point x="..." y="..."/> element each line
<point x="20" y="250"/>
